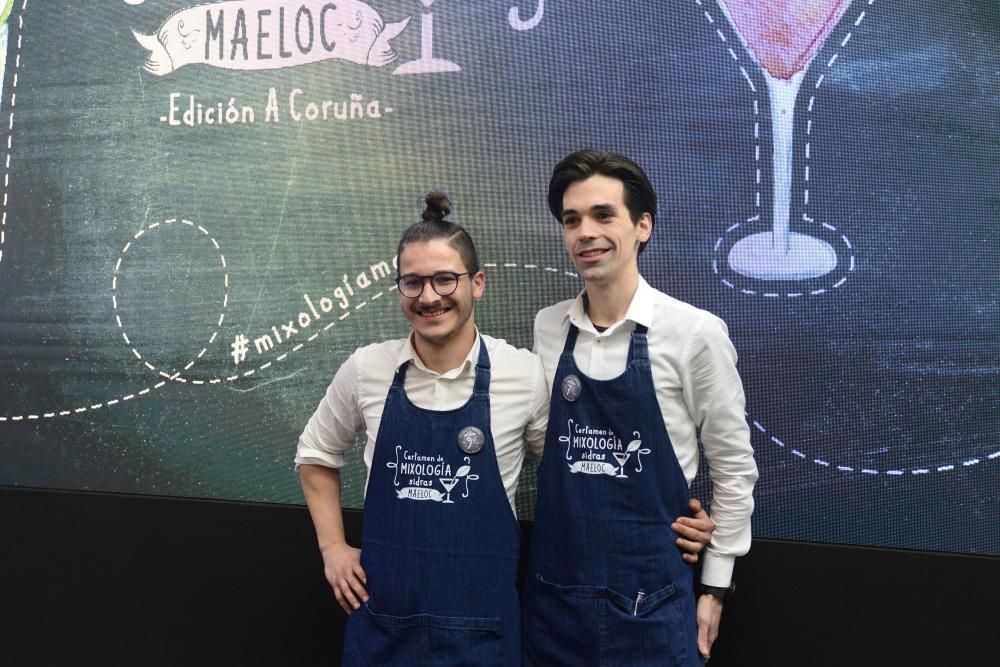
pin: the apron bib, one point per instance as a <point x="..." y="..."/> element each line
<point x="440" y="544"/>
<point x="606" y="582"/>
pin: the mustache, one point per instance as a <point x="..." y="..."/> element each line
<point x="431" y="307"/>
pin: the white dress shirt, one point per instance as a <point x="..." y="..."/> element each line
<point x="698" y="389"/>
<point x="519" y="402"/>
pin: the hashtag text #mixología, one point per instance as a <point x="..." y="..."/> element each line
<point x="329" y="307"/>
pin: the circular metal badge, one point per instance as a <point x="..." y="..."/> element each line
<point x="571" y="387"/>
<point x="471" y="440"/>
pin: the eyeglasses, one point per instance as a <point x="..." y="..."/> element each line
<point x="443" y="282"/>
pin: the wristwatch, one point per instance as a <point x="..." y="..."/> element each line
<point x="724" y="593"/>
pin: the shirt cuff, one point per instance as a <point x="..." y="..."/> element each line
<point x="307" y="455"/>
<point x="716" y="569"/>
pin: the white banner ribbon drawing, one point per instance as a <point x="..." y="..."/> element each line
<point x="264" y="34"/>
<point x="419" y="493"/>
<point x="593" y="468"/>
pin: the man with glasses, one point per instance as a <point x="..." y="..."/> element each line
<point x="448" y="413"/>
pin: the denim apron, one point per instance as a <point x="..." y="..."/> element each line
<point x="606" y="583"/>
<point x="440" y="543"/>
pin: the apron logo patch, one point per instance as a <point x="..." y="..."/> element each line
<point x="571" y="388"/>
<point x="417" y="476"/>
<point x="471" y="440"/>
<point x="598" y="451"/>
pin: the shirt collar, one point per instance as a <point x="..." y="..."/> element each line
<point x="640" y="310"/>
<point x="408" y="353"/>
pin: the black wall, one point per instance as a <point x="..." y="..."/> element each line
<point x="133" y="580"/>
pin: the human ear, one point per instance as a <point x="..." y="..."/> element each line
<point x="478" y="285"/>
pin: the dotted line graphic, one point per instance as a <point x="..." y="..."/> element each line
<point x="10" y="122"/>
<point x="834" y="283"/>
<point x="839" y="278"/>
<point x="284" y="356"/>
<point x="530" y="267"/>
<point x="176" y="377"/>
<point x="841" y="468"/>
<point x="944" y="467"/>
<point x="895" y="472"/>
<point x="361" y="305"/>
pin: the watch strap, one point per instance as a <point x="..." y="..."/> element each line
<point x="724" y="593"/>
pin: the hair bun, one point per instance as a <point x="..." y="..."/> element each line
<point x="436" y="206"/>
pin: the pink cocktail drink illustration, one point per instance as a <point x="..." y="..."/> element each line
<point x="783" y="37"/>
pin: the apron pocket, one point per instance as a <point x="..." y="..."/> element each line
<point x="562" y="624"/>
<point x="569" y="625"/>
<point x="658" y="624"/>
<point x="646" y="604"/>
<point x="442" y="641"/>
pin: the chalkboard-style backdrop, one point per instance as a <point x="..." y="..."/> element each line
<point x="201" y="203"/>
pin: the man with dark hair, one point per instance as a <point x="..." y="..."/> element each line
<point x="448" y="413"/>
<point x="579" y="166"/>
<point x="637" y="378"/>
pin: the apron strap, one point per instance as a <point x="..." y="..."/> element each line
<point x="570" y="343"/>
<point x="400" y="377"/>
<point x="481" y="391"/>
<point x="638" y="347"/>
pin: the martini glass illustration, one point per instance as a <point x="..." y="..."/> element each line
<point x="621" y="457"/>
<point x="783" y="37"/>
<point x="448" y="483"/>
<point x="427" y="63"/>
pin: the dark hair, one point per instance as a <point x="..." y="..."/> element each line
<point x="639" y="194"/>
<point x="433" y="226"/>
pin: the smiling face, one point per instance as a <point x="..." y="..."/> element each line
<point x="599" y="232"/>
<point x="439" y="321"/>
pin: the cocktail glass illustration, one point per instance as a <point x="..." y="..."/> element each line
<point x="621" y="457"/>
<point x="448" y="483"/>
<point x="427" y="63"/>
<point x="783" y="37"/>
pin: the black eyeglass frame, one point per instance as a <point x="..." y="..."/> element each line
<point x="424" y="279"/>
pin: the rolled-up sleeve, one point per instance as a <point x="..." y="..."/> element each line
<point x="715" y="398"/>
<point x="538" y="417"/>
<point x="330" y="432"/>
